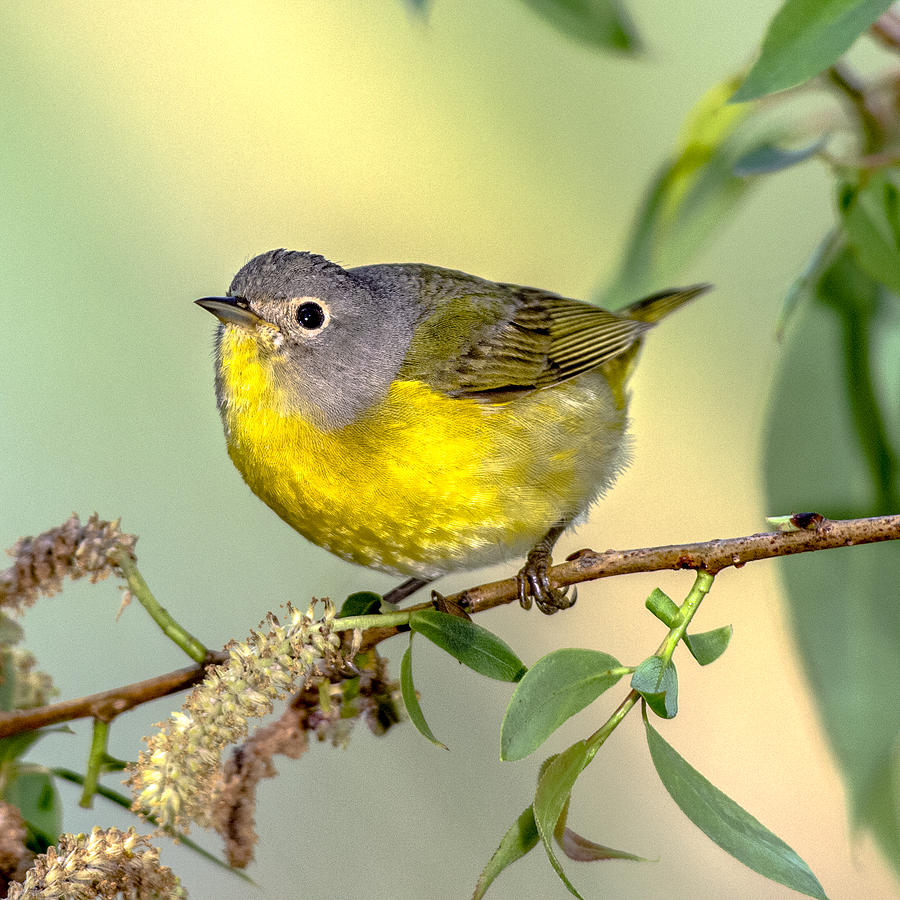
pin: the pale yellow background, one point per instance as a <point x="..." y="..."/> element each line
<point x="148" y="150"/>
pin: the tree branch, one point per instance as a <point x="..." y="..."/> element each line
<point x="815" y="533"/>
<point x="107" y="704"/>
<point x="713" y="556"/>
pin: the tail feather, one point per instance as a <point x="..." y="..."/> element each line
<point x="653" y="308"/>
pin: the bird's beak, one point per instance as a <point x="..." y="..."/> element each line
<point x="233" y="310"/>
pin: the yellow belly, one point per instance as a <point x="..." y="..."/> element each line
<point x="423" y="484"/>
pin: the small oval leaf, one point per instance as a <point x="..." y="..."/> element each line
<point x="362" y="603"/>
<point x="555" y="784"/>
<point x="727" y="824"/>
<point x="768" y="158"/>
<point x="556" y="687"/>
<point x="521" y="838"/>
<point x="411" y="699"/>
<point x="581" y="848"/>
<point x="708" y="646"/>
<point x="663" y="607"/>
<point x="472" y="645"/>
<point x="657" y="683"/>
<point x="35" y="795"/>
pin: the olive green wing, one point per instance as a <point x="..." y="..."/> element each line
<point x="492" y="342"/>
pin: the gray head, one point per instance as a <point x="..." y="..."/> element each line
<point x="333" y="343"/>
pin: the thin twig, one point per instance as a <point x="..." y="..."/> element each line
<point x="586" y="565"/>
<point x="589" y="565"/>
<point x="107" y="704"/>
<point x="853" y="91"/>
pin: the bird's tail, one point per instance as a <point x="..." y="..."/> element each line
<point x="653" y="308"/>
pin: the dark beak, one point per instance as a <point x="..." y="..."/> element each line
<point x="232" y="310"/>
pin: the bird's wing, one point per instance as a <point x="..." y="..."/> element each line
<point x="490" y="341"/>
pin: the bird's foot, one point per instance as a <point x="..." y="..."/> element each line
<point x="534" y="584"/>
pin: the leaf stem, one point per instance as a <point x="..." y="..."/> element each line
<point x="388" y="620"/>
<point x="598" y="738"/>
<point x="701" y="587"/>
<point x="175" y="632"/>
<point x="95" y="761"/>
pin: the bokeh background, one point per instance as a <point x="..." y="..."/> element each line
<point x="149" y="150"/>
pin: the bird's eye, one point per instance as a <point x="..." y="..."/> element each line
<point x="310" y="316"/>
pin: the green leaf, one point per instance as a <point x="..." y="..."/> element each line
<point x="583" y="850"/>
<point x="804" y="285"/>
<point x="691" y="197"/>
<point x="867" y="321"/>
<point x="362" y="603"/>
<point x="708" y="646"/>
<point x="836" y="395"/>
<point x="663" y="607"/>
<point x="871" y="216"/>
<point x="411" y="700"/>
<point x="602" y="24"/>
<point x="804" y="38"/>
<point x="657" y="683"/>
<point x="36" y="798"/>
<point x="521" y="839"/>
<point x="555" y="784"/>
<point x="726" y="823"/>
<point x="472" y="645"/>
<point x="16" y="745"/>
<point x="768" y="158"/>
<point x="556" y="687"/>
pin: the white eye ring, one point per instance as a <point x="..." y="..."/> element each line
<point x="312" y="315"/>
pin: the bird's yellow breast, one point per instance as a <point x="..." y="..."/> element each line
<point x="421" y="483"/>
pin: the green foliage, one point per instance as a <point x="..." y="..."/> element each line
<point x="602" y="24"/>
<point x="554" y="786"/>
<point x="411" y="699"/>
<point x="556" y="687"/>
<point x="726" y="823"/>
<point x="521" y="839"/>
<point x="768" y="158"/>
<point x="690" y="196"/>
<point x="663" y="607"/>
<point x="708" y="646"/>
<point x="362" y="603"/>
<point x="657" y="682"/>
<point x="804" y="38"/>
<point x="870" y="211"/>
<point x="35" y="795"/>
<point x="831" y="398"/>
<point x="472" y="645"/>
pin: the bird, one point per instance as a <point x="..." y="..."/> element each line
<point x="420" y="421"/>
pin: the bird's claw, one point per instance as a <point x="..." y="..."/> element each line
<point x="533" y="583"/>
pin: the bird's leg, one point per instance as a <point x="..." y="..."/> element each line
<point x="404" y="589"/>
<point x="532" y="579"/>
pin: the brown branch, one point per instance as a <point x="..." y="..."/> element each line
<point x="589" y="565"/>
<point x="816" y="533"/>
<point x="107" y="704"/>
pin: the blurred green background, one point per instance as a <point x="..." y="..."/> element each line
<point x="148" y="151"/>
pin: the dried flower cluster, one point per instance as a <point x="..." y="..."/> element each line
<point x="327" y="706"/>
<point x="32" y="686"/>
<point x="106" y="864"/>
<point x="174" y="779"/>
<point x="74" y="550"/>
<point x="331" y="707"/>
<point x="15" y="857"/>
